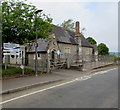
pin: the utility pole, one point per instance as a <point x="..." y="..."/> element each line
<point x="36" y="45"/>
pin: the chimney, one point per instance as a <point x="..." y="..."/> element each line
<point x="77" y="33"/>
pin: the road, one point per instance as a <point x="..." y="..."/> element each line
<point x="95" y="91"/>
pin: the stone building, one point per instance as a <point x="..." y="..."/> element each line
<point x="65" y="48"/>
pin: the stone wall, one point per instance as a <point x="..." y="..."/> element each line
<point x="86" y="53"/>
<point x="41" y="61"/>
<point x="67" y="49"/>
<point x="74" y="53"/>
<point x="41" y="57"/>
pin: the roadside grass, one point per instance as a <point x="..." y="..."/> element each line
<point x="15" y="71"/>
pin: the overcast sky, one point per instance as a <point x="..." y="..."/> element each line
<point x="99" y="18"/>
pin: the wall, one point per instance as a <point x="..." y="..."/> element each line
<point x="76" y="52"/>
<point x="67" y="49"/>
<point x="42" y="65"/>
<point x="41" y="58"/>
<point x="87" y="53"/>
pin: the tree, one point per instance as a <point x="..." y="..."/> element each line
<point x="18" y="22"/>
<point x="103" y="49"/>
<point x="116" y="58"/>
<point x="68" y="24"/>
<point x="91" y="40"/>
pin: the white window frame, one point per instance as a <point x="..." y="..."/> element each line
<point x="38" y="57"/>
<point x="67" y="50"/>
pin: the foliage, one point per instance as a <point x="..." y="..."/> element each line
<point x="18" y="22"/>
<point x="103" y="49"/>
<point x="68" y="24"/>
<point x="116" y="58"/>
<point x="91" y="40"/>
<point x="16" y="71"/>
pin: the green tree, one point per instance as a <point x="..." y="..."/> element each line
<point x="68" y="24"/>
<point x="116" y="58"/>
<point x="18" y="22"/>
<point x="103" y="49"/>
<point x="91" y="40"/>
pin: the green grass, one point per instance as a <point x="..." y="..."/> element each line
<point x="15" y="71"/>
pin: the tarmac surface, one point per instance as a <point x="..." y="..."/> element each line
<point x="98" y="89"/>
<point x="23" y="83"/>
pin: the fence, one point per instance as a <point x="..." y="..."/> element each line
<point x="85" y="62"/>
<point x="42" y="64"/>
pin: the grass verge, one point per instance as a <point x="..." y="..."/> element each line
<point x="15" y="71"/>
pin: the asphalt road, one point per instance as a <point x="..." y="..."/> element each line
<point x="98" y="91"/>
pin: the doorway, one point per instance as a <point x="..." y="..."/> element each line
<point x="53" y="55"/>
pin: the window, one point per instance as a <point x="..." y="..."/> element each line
<point x="67" y="50"/>
<point x="39" y="56"/>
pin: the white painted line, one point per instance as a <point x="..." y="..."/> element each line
<point x="37" y="92"/>
<point x="103" y="72"/>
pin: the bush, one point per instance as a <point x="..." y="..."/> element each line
<point x="15" y="71"/>
<point x="29" y="71"/>
<point x="116" y="58"/>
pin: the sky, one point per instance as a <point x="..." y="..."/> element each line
<point x="98" y="17"/>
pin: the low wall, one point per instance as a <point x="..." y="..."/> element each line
<point x="97" y="64"/>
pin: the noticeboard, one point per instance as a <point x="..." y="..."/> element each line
<point x="11" y="49"/>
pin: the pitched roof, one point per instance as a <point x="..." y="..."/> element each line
<point x="67" y="36"/>
<point x="62" y="36"/>
<point x="42" y="46"/>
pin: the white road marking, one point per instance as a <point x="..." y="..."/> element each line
<point x="86" y="77"/>
<point x="36" y="92"/>
<point x="103" y="72"/>
<point x="82" y="78"/>
<point x="76" y="79"/>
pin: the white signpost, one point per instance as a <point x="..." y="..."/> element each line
<point x="22" y="67"/>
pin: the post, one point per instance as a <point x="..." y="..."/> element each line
<point x="68" y="64"/>
<point x="36" y="45"/>
<point x="22" y="64"/>
<point x="48" y="62"/>
<point x="5" y="62"/>
<point x="36" y="72"/>
<point x="23" y="72"/>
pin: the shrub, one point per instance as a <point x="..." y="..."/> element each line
<point x="15" y="71"/>
<point x="116" y="58"/>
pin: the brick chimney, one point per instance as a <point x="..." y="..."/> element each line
<point x="77" y="28"/>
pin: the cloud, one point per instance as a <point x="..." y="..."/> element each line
<point x="36" y="1"/>
<point x="99" y="18"/>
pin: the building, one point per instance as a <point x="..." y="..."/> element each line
<point x="65" y="48"/>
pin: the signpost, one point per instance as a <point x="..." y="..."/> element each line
<point x="22" y="67"/>
<point x="11" y="49"/>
